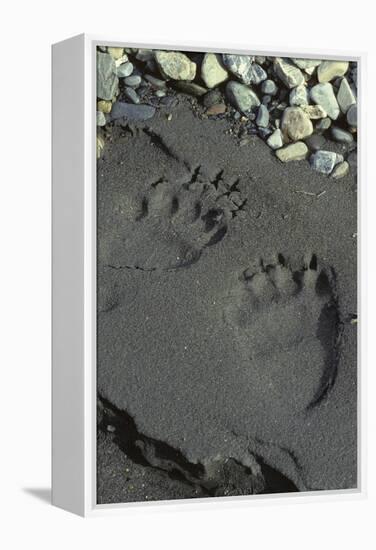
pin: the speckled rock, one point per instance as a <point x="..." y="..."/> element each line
<point x="107" y="80"/>
<point x="295" y="151"/>
<point x="323" y="161"/>
<point x="314" y="112"/>
<point x="133" y="81"/>
<point x="239" y="65"/>
<point x="299" y="96"/>
<point x="328" y="70"/>
<point x="345" y="96"/>
<point x="175" y="65"/>
<point x="213" y="72"/>
<point x="295" y="124"/>
<point x="257" y="74"/>
<point x="241" y="97"/>
<point x="290" y="75"/>
<point x="341" y="170"/>
<point x="323" y="94"/>
<point x="323" y="124"/>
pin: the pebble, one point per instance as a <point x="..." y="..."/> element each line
<point x="131" y="94"/>
<point x="306" y="63"/>
<point x="100" y="144"/>
<point x="131" y="112"/>
<point x="262" y="116"/>
<point x="315" y="142"/>
<point x="107" y="81"/>
<point x="104" y="106"/>
<point x="314" y="111"/>
<point x="295" y="151"/>
<point x="341" y="170"/>
<point x="340" y="135"/>
<point x="217" y="109"/>
<point x="264" y="132"/>
<point x="290" y="75"/>
<point x="323" y="94"/>
<point x="121" y="60"/>
<point x="133" y="81"/>
<point x="125" y="70"/>
<point x="352" y="116"/>
<point x="352" y="159"/>
<point x="323" y="161"/>
<point x="155" y="82"/>
<point x="160" y="93"/>
<point x="257" y="74"/>
<point x="212" y="98"/>
<point x="101" y="119"/>
<point x="175" y="65"/>
<point x="328" y="70"/>
<point x="275" y="140"/>
<point x="299" y="96"/>
<point x="190" y="88"/>
<point x="239" y="65"/>
<point x="323" y="124"/>
<point x="241" y="97"/>
<point x="266" y="99"/>
<point x="269" y="87"/>
<point x="212" y="71"/>
<point x="295" y="124"/>
<point x="345" y="96"/>
<point x="144" y="55"/>
<point x="115" y="53"/>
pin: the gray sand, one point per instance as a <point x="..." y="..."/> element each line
<point x="225" y="298"/>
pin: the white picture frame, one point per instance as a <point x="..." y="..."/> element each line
<point x="74" y="277"/>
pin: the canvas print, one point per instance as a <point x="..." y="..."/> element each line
<point x="226" y="274"/>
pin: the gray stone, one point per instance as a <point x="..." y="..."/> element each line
<point x="352" y="116"/>
<point x="212" y="70"/>
<point x="295" y="151"/>
<point x="341" y="170"/>
<point x="262" y="116"/>
<point x="133" y="81"/>
<point x="275" y="141"/>
<point x="212" y="98"/>
<point x="323" y="124"/>
<point x="131" y="112"/>
<point x="299" y="96"/>
<point x="352" y="159"/>
<point x="101" y="119"/>
<point x="354" y="75"/>
<point x="345" y="96"/>
<point x="131" y="94"/>
<point x="125" y="70"/>
<point x="175" y="65"/>
<point x="160" y="93"/>
<point x="190" y="88"/>
<point x="323" y="161"/>
<point x="315" y="142"/>
<point x="257" y="74"/>
<point x="328" y="70"/>
<point x="290" y="75"/>
<point x="145" y="55"/>
<point x="306" y="63"/>
<point x="269" y="87"/>
<point x="266" y="99"/>
<point x="323" y="94"/>
<point x="107" y="81"/>
<point x="157" y="83"/>
<point x="241" y="97"/>
<point x="295" y="124"/>
<point x="342" y="136"/>
<point x="239" y="65"/>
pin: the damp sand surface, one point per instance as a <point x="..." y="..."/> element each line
<point x="226" y="305"/>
